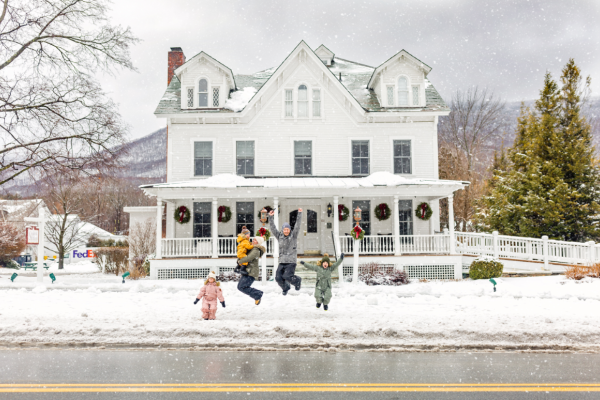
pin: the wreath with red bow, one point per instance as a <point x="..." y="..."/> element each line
<point x="343" y="212"/>
<point x="224" y="213"/>
<point x="423" y="211"/>
<point x="265" y="233"/>
<point x="182" y="215"/>
<point x="383" y="212"/>
<point x="357" y="233"/>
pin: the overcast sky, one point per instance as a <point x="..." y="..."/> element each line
<point x="503" y="45"/>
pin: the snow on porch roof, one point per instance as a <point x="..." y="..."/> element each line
<point x="229" y="181"/>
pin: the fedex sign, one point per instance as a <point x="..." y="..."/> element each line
<point x="84" y="254"/>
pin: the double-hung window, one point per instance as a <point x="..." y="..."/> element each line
<point x="405" y="217"/>
<point x="202" y="220"/>
<point x="303" y="157"/>
<point x="203" y="93"/>
<point x="365" y="214"/>
<point x="244" y="216"/>
<point x="289" y="103"/>
<point x="402" y="157"/>
<point x="360" y="157"/>
<point x="245" y="157"/>
<point x="203" y="158"/>
<point x="402" y="91"/>
<point x="316" y="101"/>
<point x="302" y="101"/>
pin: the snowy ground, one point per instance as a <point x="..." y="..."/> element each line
<point x="96" y="309"/>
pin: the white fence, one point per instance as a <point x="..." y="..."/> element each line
<point x="413" y="244"/>
<point x="202" y="247"/>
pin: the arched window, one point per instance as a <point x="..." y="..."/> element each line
<point x="203" y="93"/>
<point x="402" y="91"/>
<point x="302" y="101"/>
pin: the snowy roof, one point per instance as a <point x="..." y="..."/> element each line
<point x="14" y="210"/>
<point x="87" y="229"/>
<point x="229" y="181"/>
<point x="355" y="77"/>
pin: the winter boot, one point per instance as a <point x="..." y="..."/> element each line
<point x="285" y="292"/>
<point x="325" y="307"/>
<point x="318" y="305"/>
<point x="257" y="302"/>
<point x="297" y="285"/>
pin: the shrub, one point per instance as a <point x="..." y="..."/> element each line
<point x="228" y="276"/>
<point x="485" y="268"/>
<point x="9" y="263"/>
<point x="578" y="272"/>
<point x="12" y="242"/>
<point x="113" y="259"/>
<point x="374" y="274"/>
<point x="95" y="241"/>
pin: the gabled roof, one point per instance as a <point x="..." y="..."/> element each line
<point x="401" y="54"/>
<point x="198" y="57"/>
<point x="325" y="50"/>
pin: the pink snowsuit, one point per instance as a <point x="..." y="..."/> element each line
<point x="209" y="294"/>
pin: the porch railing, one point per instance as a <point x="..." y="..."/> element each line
<point x="202" y="247"/>
<point x="410" y="244"/>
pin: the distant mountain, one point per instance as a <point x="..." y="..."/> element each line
<point x="147" y="157"/>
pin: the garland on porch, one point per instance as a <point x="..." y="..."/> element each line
<point x="268" y="208"/>
<point x="182" y="215"/>
<point x="383" y="212"/>
<point x="343" y="212"/>
<point x="423" y="211"/>
<point x="224" y="213"/>
<point x="265" y="233"/>
<point x="357" y="233"/>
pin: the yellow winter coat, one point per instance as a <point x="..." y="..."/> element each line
<point x="243" y="246"/>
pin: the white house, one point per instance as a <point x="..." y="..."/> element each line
<point x="317" y="132"/>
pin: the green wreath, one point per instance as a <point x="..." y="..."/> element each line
<point x="224" y="213"/>
<point x="423" y="211"/>
<point x="182" y="215"/>
<point x="383" y="212"/>
<point x="343" y="212"/>
<point x="265" y="233"/>
<point x="357" y="233"/>
<point x="268" y="208"/>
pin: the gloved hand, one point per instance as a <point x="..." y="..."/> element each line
<point x="196" y="301"/>
<point x="223" y="304"/>
<point x="302" y="262"/>
<point x="243" y="271"/>
<point x="342" y="256"/>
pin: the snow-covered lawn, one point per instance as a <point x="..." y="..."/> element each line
<point x="538" y="312"/>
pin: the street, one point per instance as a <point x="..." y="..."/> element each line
<point x="169" y="374"/>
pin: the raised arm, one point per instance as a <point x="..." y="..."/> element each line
<point x="274" y="230"/>
<point x="297" y="226"/>
<point x="311" y="266"/>
<point x="337" y="263"/>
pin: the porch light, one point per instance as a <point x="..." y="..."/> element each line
<point x="329" y="210"/>
<point x="357" y="214"/>
<point x="263" y="216"/>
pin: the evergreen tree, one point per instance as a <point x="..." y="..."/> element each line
<point x="550" y="185"/>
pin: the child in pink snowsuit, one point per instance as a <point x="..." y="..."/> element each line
<point x="209" y="294"/>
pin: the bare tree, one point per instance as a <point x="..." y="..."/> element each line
<point x="53" y="114"/>
<point x="64" y="227"/>
<point x="467" y="137"/>
<point x="142" y="240"/>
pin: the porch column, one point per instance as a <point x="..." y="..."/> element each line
<point x="336" y="226"/>
<point x="159" y="209"/>
<point x="396" y="226"/>
<point x="451" y="223"/>
<point x="215" y="228"/>
<point x="275" y="242"/>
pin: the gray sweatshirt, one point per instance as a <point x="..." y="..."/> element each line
<point x="287" y="244"/>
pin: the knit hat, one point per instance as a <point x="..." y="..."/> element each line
<point x="212" y="275"/>
<point x="326" y="259"/>
<point x="260" y="240"/>
<point x="245" y="230"/>
<point x="286" y="225"/>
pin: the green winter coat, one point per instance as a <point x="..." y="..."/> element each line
<point x="323" y="287"/>
<point x="252" y="259"/>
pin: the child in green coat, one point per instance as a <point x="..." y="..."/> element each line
<point x="324" y="269"/>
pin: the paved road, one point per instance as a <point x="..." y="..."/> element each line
<point x="111" y="374"/>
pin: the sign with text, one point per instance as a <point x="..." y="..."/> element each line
<point x="83" y="254"/>
<point x="32" y="235"/>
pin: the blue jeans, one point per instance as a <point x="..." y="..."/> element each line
<point x="244" y="286"/>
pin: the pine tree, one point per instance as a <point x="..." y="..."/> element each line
<point x="550" y="185"/>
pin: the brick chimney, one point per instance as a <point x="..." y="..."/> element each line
<point x="176" y="60"/>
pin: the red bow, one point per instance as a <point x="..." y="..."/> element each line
<point x="340" y="210"/>
<point x="262" y="231"/>
<point x="221" y="210"/>
<point x="423" y="208"/>
<point x="382" y="210"/>
<point x="182" y="211"/>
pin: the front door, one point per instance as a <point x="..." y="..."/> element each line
<point x="309" y="241"/>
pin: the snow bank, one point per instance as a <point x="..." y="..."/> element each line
<point x="240" y="99"/>
<point x="545" y="312"/>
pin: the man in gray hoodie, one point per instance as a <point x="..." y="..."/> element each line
<point x="288" y="243"/>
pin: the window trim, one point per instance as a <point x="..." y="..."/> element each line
<point x="194" y="222"/>
<point x="408" y="89"/>
<point x="192" y="158"/>
<point x="309" y="91"/>
<point x="235" y="140"/>
<point x="255" y="220"/>
<point x="411" y="213"/>
<point x="312" y="108"/>
<point x="313" y="163"/>
<point x="197" y="92"/>
<point x="311" y="157"/>
<point x="387" y="98"/>
<point x="308" y="101"/>
<point x="187" y="97"/>
<point x="362" y="138"/>
<point x="411" y="139"/>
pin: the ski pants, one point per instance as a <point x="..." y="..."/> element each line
<point x="244" y="286"/>
<point x="323" y="295"/>
<point x="285" y="275"/>
<point x="209" y="308"/>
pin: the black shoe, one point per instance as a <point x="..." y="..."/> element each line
<point x="206" y="319"/>
<point x="318" y="305"/>
<point x="325" y="307"/>
<point x="284" y="292"/>
<point x="297" y="286"/>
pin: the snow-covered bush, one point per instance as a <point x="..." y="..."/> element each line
<point x="578" y="272"/>
<point x="12" y="264"/>
<point x="12" y="243"/>
<point x="374" y="274"/>
<point x="485" y="268"/>
<point x="228" y="276"/>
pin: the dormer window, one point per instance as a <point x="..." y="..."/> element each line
<point x="415" y="95"/>
<point x="402" y="92"/>
<point x="203" y="93"/>
<point x="302" y="101"/>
